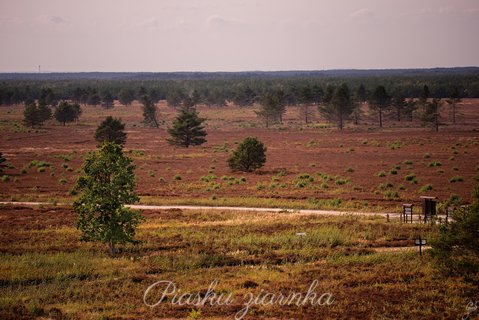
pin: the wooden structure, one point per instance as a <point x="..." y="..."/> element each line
<point x="406" y="211"/>
<point x="429" y="209"/>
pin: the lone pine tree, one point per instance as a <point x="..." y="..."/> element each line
<point x="187" y="129"/>
<point x="250" y="155"/>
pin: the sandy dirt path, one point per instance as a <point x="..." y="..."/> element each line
<point x="279" y="210"/>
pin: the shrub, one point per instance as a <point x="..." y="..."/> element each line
<point x="455" y="248"/>
<point x="390" y="195"/>
<point x="62" y="181"/>
<point x="435" y="164"/>
<point x="177" y="177"/>
<point x="408" y="162"/>
<point x="41" y="169"/>
<point x="456" y="179"/>
<point x="395" y="145"/>
<point x="393" y="172"/>
<point x="455" y="168"/>
<point x="151" y="173"/>
<point x="349" y="170"/>
<point x="426" y="188"/>
<point x="248" y="156"/>
<point x="386" y="185"/>
<point x="427" y="156"/>
<point x="340" y="182"/>
<point x="5" y="178"/>
<point x="301" y="184"/>
<point x="410" y="177"/>
<point x="381" y="174"/>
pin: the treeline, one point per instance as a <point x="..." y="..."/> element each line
<point x="217" y="89"/>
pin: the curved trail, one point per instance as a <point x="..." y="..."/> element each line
<point x="224" y="208"/>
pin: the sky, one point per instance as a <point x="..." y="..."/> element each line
<point x="236" y="35"/>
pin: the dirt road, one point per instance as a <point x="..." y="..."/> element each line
<point x="279" y="210"/>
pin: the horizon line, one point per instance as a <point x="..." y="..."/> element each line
<point x="243" y="71"/>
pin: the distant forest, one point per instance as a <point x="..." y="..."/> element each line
<point x="241" y="88"/>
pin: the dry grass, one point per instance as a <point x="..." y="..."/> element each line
<point x="47" y="272"/>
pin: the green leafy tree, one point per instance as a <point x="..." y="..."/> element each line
<point x="107" y="185"/>
<point x="187" y="129"/>
<point x="67" y="112"/>
<point x="379" y="102"/>
<point x="111" y="130"/>
<point x="456" y="248"/>
<point x="338" y="107"/>
<point x="250" y="155"/>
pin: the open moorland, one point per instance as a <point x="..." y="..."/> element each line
<point x="313" y="166"/>
<point x="369" y="267"/>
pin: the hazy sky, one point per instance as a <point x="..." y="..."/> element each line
<point x="233" y="35"/>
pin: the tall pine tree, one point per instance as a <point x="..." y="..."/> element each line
<point x="150" y="113"/>
<point x="187" y="129"/>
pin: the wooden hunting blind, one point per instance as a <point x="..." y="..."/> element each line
<point x="429" y="208"/>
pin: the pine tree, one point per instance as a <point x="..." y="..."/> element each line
<point x="338" y="106"/>
<point x="398" y="102"/>
<point x="250" y="155"/>
<point x="454" y="99"/>
<point x="187" y="129"/>
<point x="126" y="96"/>
<point x="66" y="112"/>
<point x="431" y="115"/>
<point x="380" y="101"/>
<point x="106" y="185"/>
<point x="272" y="108"/>
<point x="107" y="100"/>
<point x="111" y="130"/>
<point x="150" y="112"/>
<point x="305" y="100"/>
<point x="30" y="115"/>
